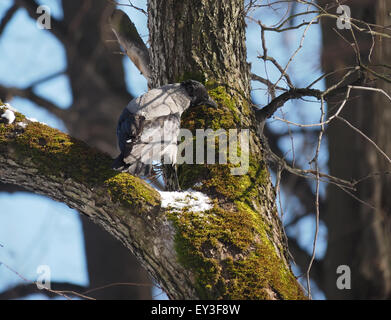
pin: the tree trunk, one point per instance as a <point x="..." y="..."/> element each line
<point x="205" y="41"/>
<point x="199" y="39"/>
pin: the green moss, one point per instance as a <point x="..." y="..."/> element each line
<point x="198" y="233"/>
<point x="252" y="266"/>
<point x="219" y="93"/>
<point x="56" y="154"/>
<point x="190" y="174"/>
<point x="218" y="178"/>
<point x="203" y="117"/>
<point x="191" y="75"/>
<point x="19" y="117"/>
<point x="131" y="191"/>
<point x="223" y="117"/>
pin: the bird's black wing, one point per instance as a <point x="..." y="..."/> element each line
<point x="147" y="142"/>
<point x="129" y="129"/>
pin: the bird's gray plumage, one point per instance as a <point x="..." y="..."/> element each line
<point x="148" y="127"/>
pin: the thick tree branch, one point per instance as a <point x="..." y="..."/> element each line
<point x="297" y="93"/>
<point x="231" y="247"/>
<point x="49" y="162"/>
<point x="267" y="111"/>
<point x="11" y="188"/>
<point x="128" y="37"/>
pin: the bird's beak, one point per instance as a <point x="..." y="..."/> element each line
<point x="211" y="103"/>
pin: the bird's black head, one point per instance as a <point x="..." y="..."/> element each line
<point x="198" y="94"/>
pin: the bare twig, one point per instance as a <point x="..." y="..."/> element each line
<point x="315" y="160"/>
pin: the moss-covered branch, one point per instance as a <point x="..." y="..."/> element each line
<point x="49" y="162"/>
<point x="227" y="252"/>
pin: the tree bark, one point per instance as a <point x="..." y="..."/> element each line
<point x="205" y="41"/>
<point x="201" y="39"/>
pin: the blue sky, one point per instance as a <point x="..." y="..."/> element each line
<point x="35" y="230"/>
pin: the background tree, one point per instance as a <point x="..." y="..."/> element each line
<point x="354" y="213"/>
<point x="359" y="232"/>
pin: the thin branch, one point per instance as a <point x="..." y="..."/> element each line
<point x="134" y="284"/>
<point x="365" y="137"/>
<point x="33" y="283"/>
<point x="324" y="122"/>
<point x="266" y="82"/>
<point x="301" y="258"/>
<point x="292" y="183"/>
<point x="23" y="290"/>
<point x="371" y="176"/>
<point x="316" y="161"/>
<point x="298" y="49"/>
<point x="308" y="174"/>
<point x="372" y="89"/>
<point x="131" y="5"/>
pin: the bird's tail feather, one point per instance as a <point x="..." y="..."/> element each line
<point x="170" y="176"/>
<point x="137" y="167"/>
<point x="119" y="163"/>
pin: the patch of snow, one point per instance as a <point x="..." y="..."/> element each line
<point x="8" y="106"/>
<point x="22" y="124"/>
<point x="176" y="200"/>
<point x="35" y="120"/>
<point x="9" y="115"/>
